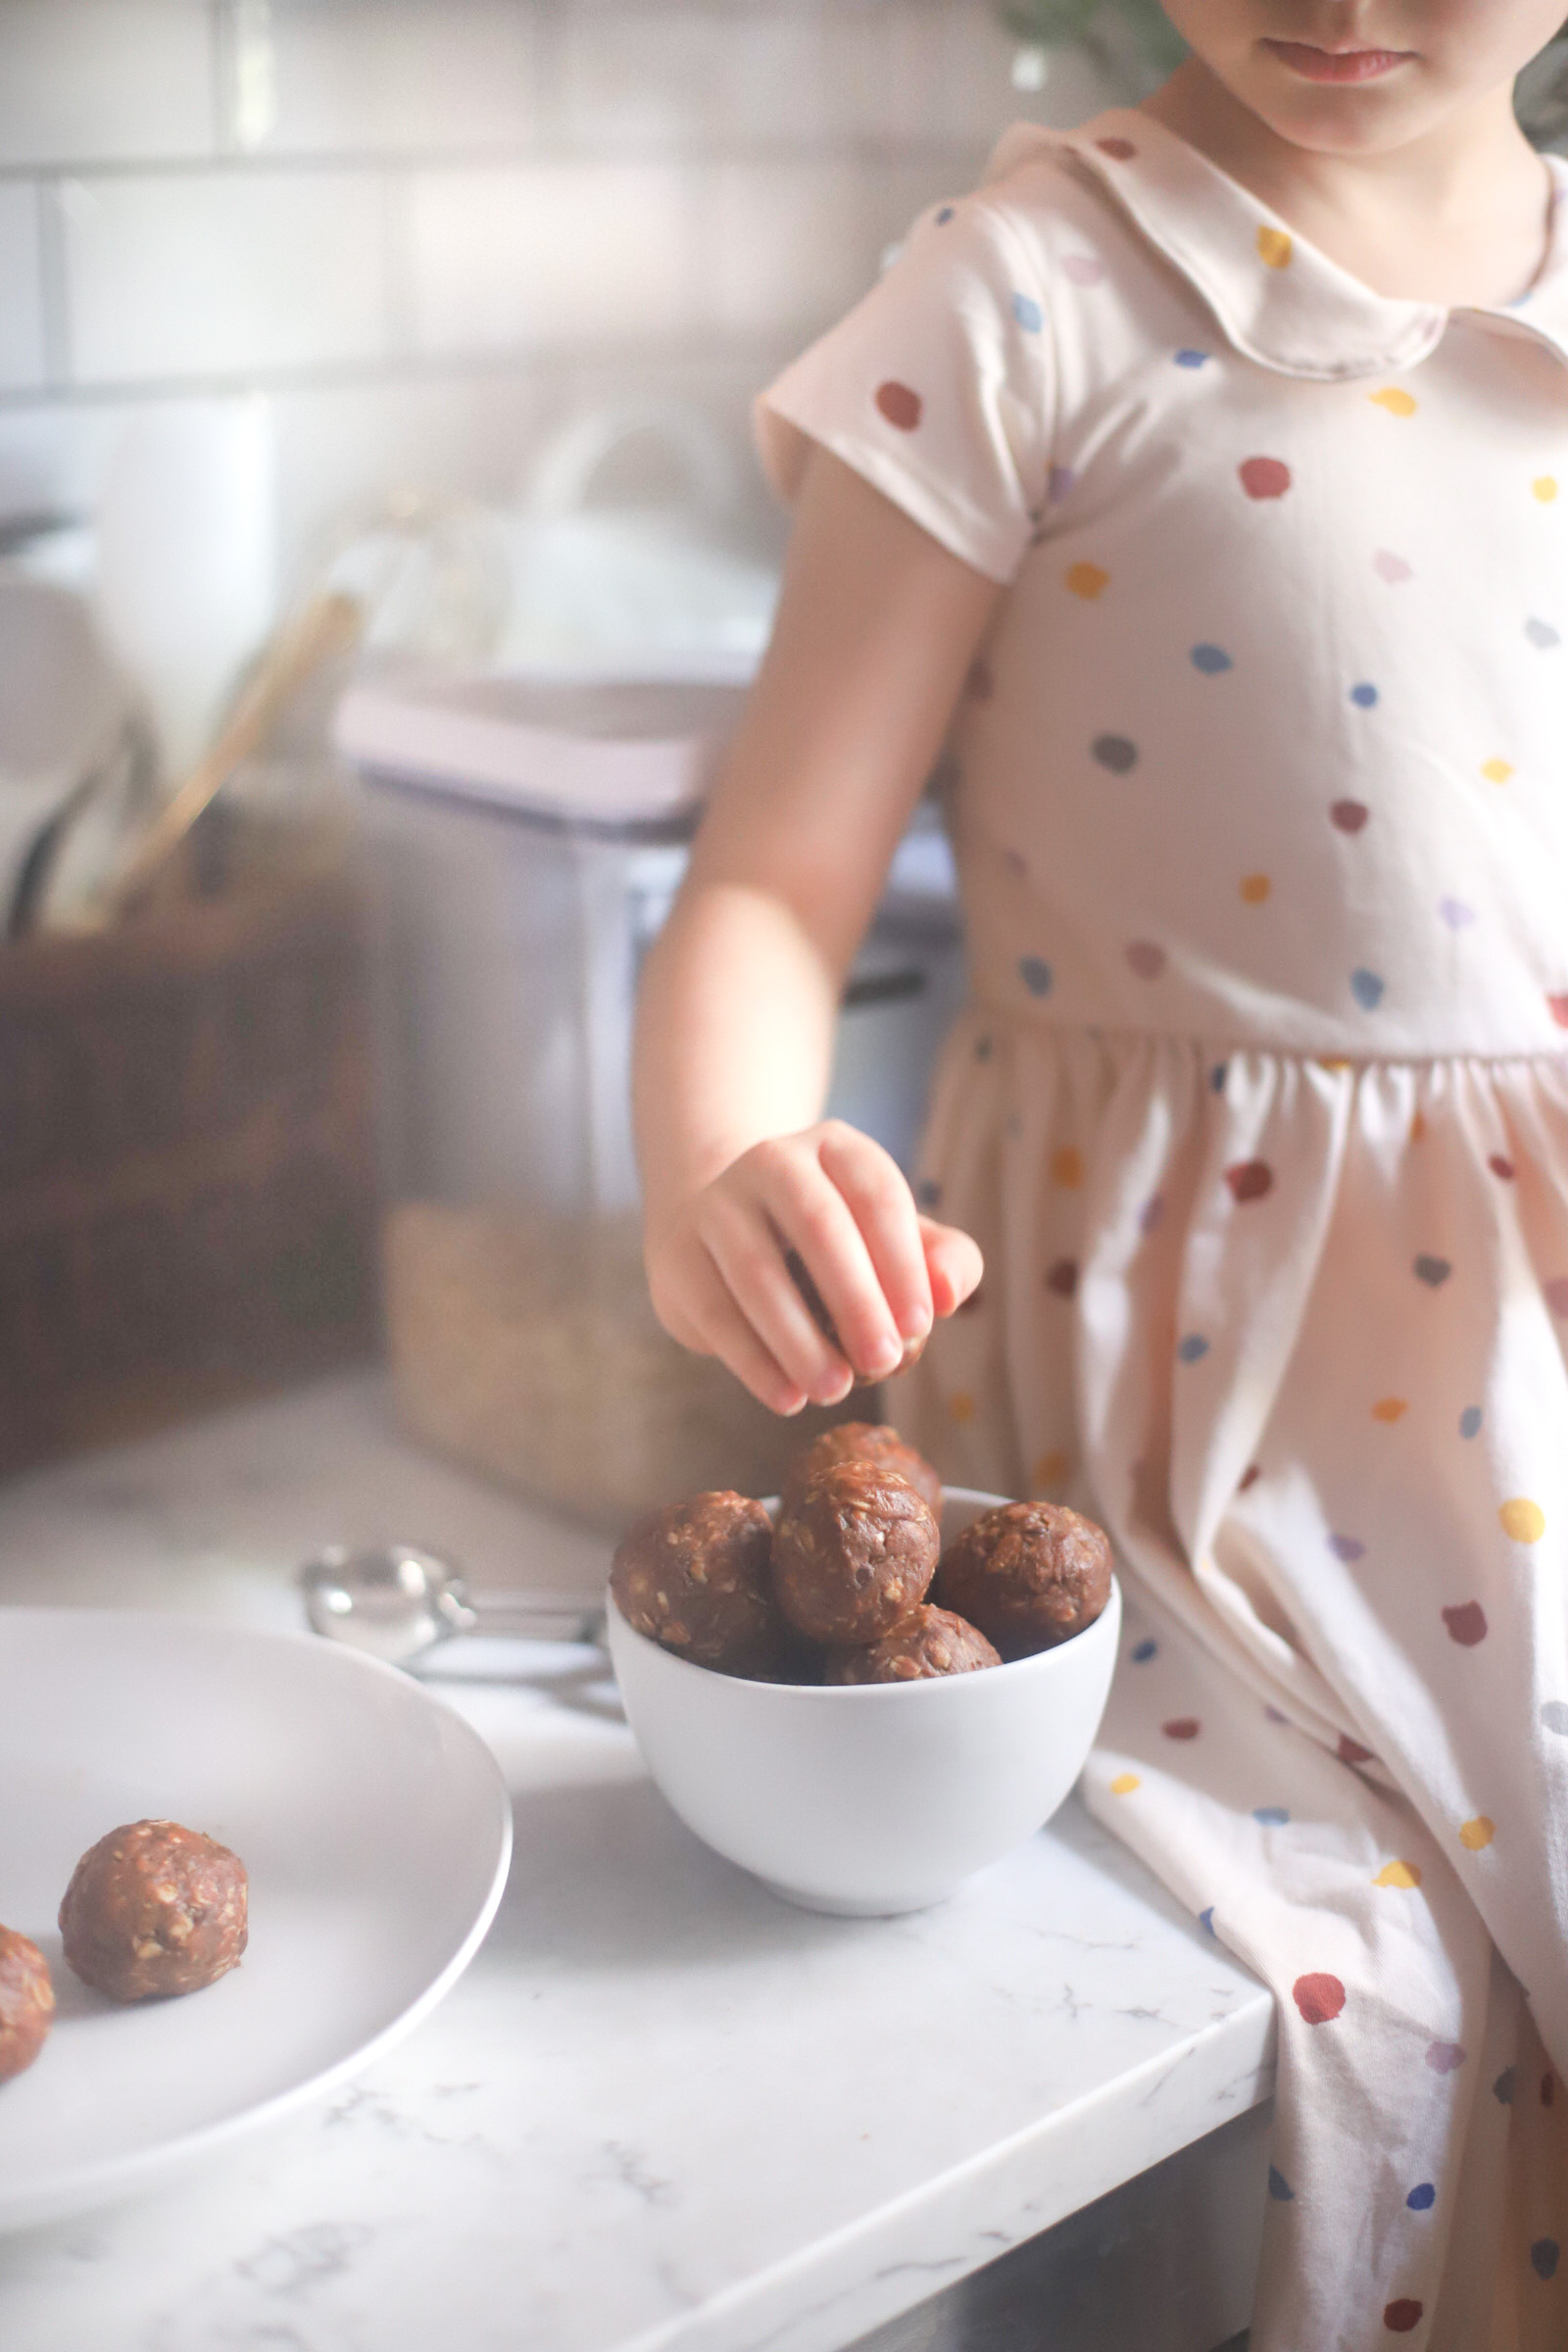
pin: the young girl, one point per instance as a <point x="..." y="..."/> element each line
<point x="1205" y="480"/>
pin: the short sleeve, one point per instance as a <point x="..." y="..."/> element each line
<point x="937" y="388"/>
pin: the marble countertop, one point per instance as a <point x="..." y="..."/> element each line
<point x="662" y="2112"/>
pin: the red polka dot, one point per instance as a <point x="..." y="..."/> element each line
<point x="1264" y="477"/>
<point x="1121" y="150"/>
<point x="1249" y="1477"/>
<point x="1348" y="815"/>
<point x="1250" y="1179"/>
<point x="1062" y="1279"/>
<point x="1351" y="1751"/>
<point x="1558" y="1006"/>
<point x="1503" y="1168"/>
<point x="1466" y="1624"/>
<point x="1182" y="1727"/>
<point x="1319" y="1998"/>
<point x="900" y="406"/>
<point x="1401" y="2317"/>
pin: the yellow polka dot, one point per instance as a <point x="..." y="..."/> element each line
<point x="1545" y="488"/>
<point x="1333" y="1061"/>
<point x="1255" y="889"/>
<point x="1124" y="1783"/>
<point x="1087" y="581"/>
<point x="1495" y="771"/>
<point x="1418" y="1128"/>
<point x="1051" y="1470"/>
<point x="1397" y="1874"/>
<point x="1395" y="399"/>
<point x="961" y="1405"/>
<point x="1523" y="1519"/>
<point x="1477" y="1833"/>
<point x="1068" y="1167"/>
<point x="1274" y="247"/>
<point x="1389" y="1409"/>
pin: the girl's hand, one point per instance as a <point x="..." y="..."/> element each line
<point x="720" y="1284"/>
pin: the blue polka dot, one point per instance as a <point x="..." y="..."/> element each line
<point x="1059" y="483"/>
<point x="1030" y="316"/>
<point x="1212" y="659"/>
<point x="1037" y="977"/>
<point x="1470" y="1421"/>
<point x="1217" y="1077"/>
<point x="1145" y="1652"/>
<point x="1279" y="2188"/>
<point x="1205" y="1920"/>
<point x="1367" y="988"/>
<point x="984" y="1048"/>
<point x="1364" y="697"/>
<point x="1422" y="2198"/>
<point x="1272" y="1817"/>
<point x="1193" y="1348"/>
<point x="1544" y="2256"/>
<point x="948" y="212"/>
<point x="1186" y="358"/>
<point x="928" y="1193"/>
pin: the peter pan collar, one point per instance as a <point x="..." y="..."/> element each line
<point x="1276" y="298"/>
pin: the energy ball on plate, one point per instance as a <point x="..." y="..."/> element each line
<point x="863" y="1442"/>
<point x="1029" y="1575"/>
<point x="154" y="1908"/>
<point x="695" y="1577"/>
<point x="26" y="2003"/>
<point x="854" y="1552"/>
<point x="928" y="1644"/>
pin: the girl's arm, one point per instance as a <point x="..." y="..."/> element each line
<point x="876" y="630"/>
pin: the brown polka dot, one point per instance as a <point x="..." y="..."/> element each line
<point x="1264" y="477"/>
<point x="1502" y="1168"/>
<point x="1249" y="1477"/>
<point x="1062" y="1279"/>
<point x="1402" y="2315"/>
<point x="1351" y="1751"/>
<point x="899" y="405"/>
<point x="1348" y="817"/>
<point x="1182" y="1727"/>
<point x="1120" y="151"/>
<point x="1249" y="1180"/>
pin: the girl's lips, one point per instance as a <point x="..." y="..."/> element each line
<point x="1337" y="65"/>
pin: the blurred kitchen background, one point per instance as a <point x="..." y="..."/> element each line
<point x="375" y="474"/>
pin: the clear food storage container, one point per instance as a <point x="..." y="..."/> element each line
<point x="526" y="842"/>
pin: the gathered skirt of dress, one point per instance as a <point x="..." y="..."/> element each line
<point x="1294" y="1330"/>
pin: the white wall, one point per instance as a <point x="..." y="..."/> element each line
<point x="430" y="229"/>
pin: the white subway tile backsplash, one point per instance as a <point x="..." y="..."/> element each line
<point x="104" y="81"/>
<point x="399" y="75"/>
<point x="21" y="330"/>
<point x="667" y="75"/>
<point x="540" y="255"/>
<point x="220" y="273"/>
<point x="787" y="245"/>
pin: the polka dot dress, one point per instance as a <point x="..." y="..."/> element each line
<point x="1260" y="1114"/>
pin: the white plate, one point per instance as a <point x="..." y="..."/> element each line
<point x="376" y="1829"/>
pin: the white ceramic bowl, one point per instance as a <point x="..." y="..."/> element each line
<point x="878" y="1797"/>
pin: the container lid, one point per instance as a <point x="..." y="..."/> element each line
<point x="600" y="753"/>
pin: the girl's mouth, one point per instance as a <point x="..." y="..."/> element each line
<point x="1337" y="65"/>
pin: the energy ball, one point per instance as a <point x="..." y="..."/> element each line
<point x="695" y="1577"/>
<point x="854" y="1553"/>
<point x="26" y="2003"/>
<point x="863" y="1442"/>
<point x="152" y="1909"/>
<point x="1029" y="1575"/>
<point x="929" y="1642"/>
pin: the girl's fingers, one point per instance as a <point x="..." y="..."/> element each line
<point x="813" y="1216"/>
<point x="727" y="1332"/>
<point x="882" y="1205"/>
<point x="748" y="1252"/>
<point x="953" y="1261"/>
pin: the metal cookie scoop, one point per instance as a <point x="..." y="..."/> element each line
<point x="398" y="1602"/>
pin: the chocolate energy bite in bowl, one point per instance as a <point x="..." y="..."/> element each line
<point x="1029" y="1575"/>
<point x="26" y="2003"/>
<point x="854" y="1554"/>
<point x="697" y="1578"/>
<point x="927" y="1644"/>
<point x="863" y="1442"/>
<point x="153" y="1909"/>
